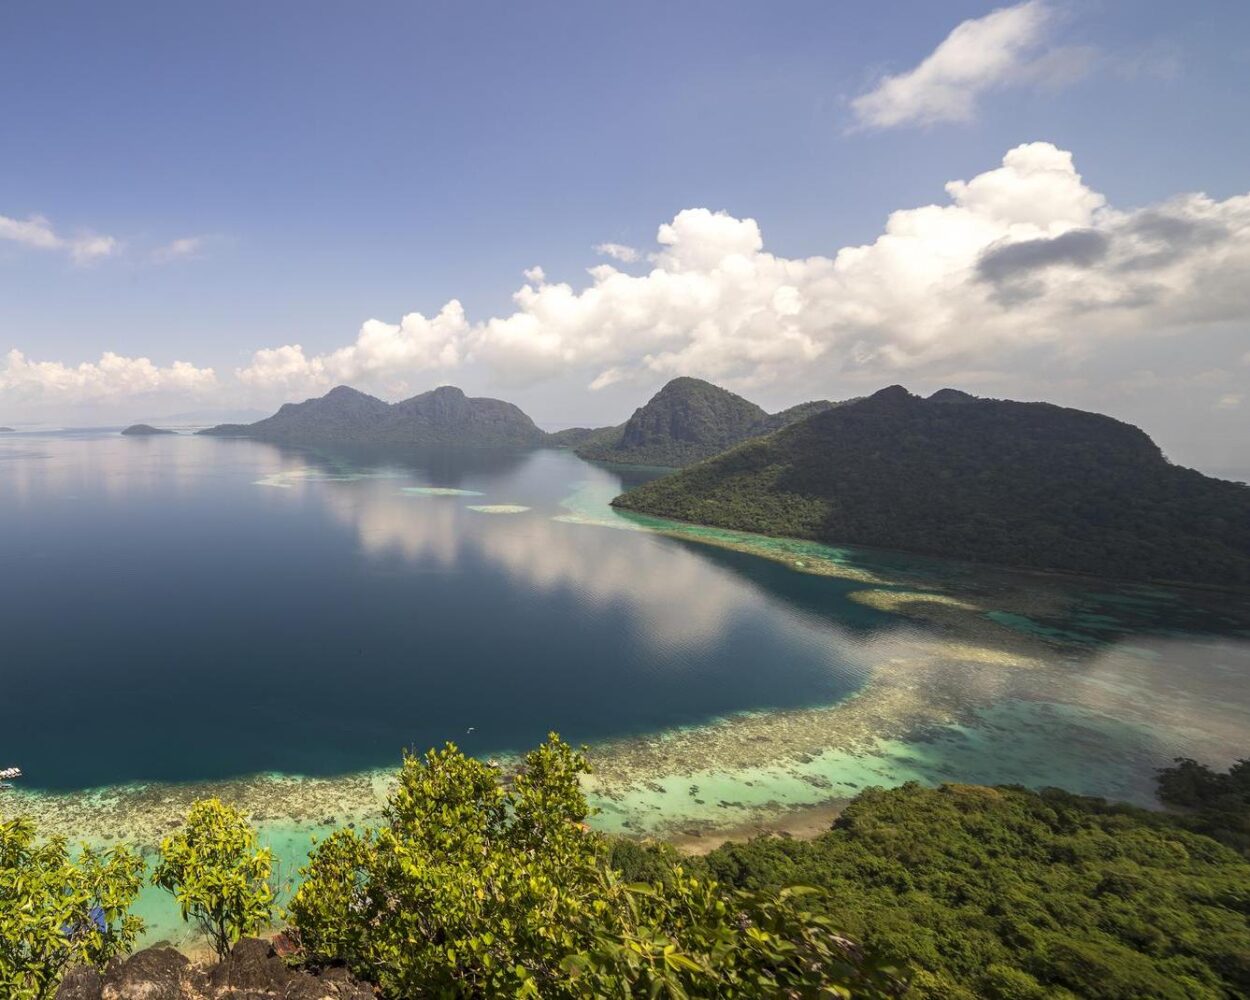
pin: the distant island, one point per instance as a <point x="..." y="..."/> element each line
<point x="1028" y="485"/>
<point x="144" y="430"/>
<point x="442" y="417"/>
<point x="7" y="430"/>
<point x="687" y="421"/>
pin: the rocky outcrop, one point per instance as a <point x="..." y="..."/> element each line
<point x="254" y="971"/>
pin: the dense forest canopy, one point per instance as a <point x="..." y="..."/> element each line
<point x="1009" y="894"/>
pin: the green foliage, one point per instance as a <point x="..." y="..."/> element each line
<point x="56" y="911"/>
<point x="1019" y="484"/>
<point x="1010" y="894"/>
<point x="1216" y="804"/>
<point x="219" y="876"/>
<point x="477" y="888"/>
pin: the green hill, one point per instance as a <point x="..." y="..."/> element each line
<point x="997" y="893"/>
<point x="687" y="421"/>
<point x="442" y="417"/>
<point x="1022" y="484"/>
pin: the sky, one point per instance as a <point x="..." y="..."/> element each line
<point x="207" y="210"/>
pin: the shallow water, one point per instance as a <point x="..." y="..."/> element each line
<point x="187" y="616"/>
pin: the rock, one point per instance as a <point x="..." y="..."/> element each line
<point x="253" y="971"/>
<point x="152" y="974"/>
<point x="81" y="983"/>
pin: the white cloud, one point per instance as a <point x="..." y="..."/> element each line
<point x="1024" y="262"/>
<point x="179" y="249"/>
<point x="1229" y="401"/>
<point x="37" y="232"/>
<point x="382" y="353"/>
<point x="1003" y="48"/>
<point x="619" y="251"/>
<point x="112" y="376"/>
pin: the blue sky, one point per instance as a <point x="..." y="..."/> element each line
<point x="280" y="173"/>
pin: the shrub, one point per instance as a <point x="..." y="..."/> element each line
<point x="56" y="911"/>
<point x="215" y="870"/>
<point x="474" y="888"/>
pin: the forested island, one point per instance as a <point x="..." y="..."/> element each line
<point x="442" y="417"/>
<point x="1028" y="485"/>
<point x="481" y="883"/>
<point x="144" y="430"/>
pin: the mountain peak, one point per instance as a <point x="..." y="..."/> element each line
<point x="346" y="392"/>
<point x="952" y="396"/>
<point x="686" y="421"/>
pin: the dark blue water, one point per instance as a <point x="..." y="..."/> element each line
<point x="186" y="608"/>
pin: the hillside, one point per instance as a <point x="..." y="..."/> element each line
<point x="1008" y="893"/>
<point x="1021" y="484"/>
<point x="687" y="421"/>
<point x="442" y="417"/>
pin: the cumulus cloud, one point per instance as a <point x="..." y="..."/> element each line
<point x="619" y="251"/>
<point x="37" y="232"/>
<point x="1006" y="47"/>
<point x="110" y="377"/>
<point x="382" y="352"/>
<point x="1020" y="262"/>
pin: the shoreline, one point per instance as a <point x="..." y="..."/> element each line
<point x="799" y="823"/>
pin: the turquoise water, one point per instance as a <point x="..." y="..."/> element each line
<point x="188" y="616"/>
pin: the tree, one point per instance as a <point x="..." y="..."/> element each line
<point x="57" y="911"/>
<point x="477" y="888"/>
<point x="219" y="876"/>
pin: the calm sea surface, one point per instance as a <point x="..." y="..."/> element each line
<point x="185" y="616"/>
<point x="182" y="608"/>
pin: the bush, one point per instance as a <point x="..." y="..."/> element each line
<point x="215" y="870"/>
<point x="56" y="911"/>
<point x="472" y="888"/>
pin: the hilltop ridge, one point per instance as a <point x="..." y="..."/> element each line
<point x="443" y="417"/>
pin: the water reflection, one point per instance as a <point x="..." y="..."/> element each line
<point x="320" y="613"/>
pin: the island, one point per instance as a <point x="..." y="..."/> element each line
<point x="7" y="430"/>
<point x="443" y="417"/>
<point x="1028" y="485"/>
<point x="144" y="430"/>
